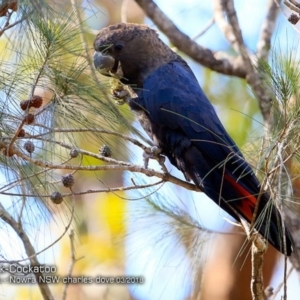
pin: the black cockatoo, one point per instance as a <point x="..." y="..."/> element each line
<point x="176" y="114"/>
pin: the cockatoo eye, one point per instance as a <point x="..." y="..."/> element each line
<point x="118" y="47"/>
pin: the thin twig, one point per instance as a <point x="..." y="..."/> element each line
<point x="118" y="166"/>
<point x="10" y="147"/>
<point x="8" y="18"/>
<point x="73" y="261"/>
<point x="18" y="181"/>
<point x="33" y="254"/>
<point x="30" y="251"/>
<point x="279" y="187"/>
<point x="209" y="24"/>
<point x="282" y="283"/>
<point x="77" y="130"/>
<point x="90" y="191"/>
<point x="15" y="23"/>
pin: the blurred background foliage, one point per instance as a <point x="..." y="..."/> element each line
<point x="50" y="55"/>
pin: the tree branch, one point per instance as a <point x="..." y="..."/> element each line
<point x="258" y="249"/>
<point x="257" y="258"/>
<point x="117" y="166"/>
<point x="240" y="66"/>
<point x="15" y="23"/>
<point x="4" y="215"/>
<point x="216" y="61"/>
<point x="252" y="77"/>
<point x="90" y="191"/>
<point x="292" y="6"/>
<point x="267" y="29"/>
<point x="73" y="261"/>
<point x="223" y="25"/>
<point x="17" y="227"/>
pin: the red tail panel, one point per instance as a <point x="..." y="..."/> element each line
<point x="246" y="205"/>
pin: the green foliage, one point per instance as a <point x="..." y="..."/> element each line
<point x="49" y="58"/>
<point x="46" y="55"/>
<point x="281" y="77"/>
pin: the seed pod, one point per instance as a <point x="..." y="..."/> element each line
<point x="6" y="5"/>
<point x="29" y="147"/>
<point x="24" y="104"/>
<point x="21" y="133"/>
<point x="74" y="153"/>
<point x="293" y="18"/>
<point x="36" y="101"/>
<point x="105" y="151"/>
<point x="56" y="197"/>
<point x="29" y="119"/>
<point x="67" y="180"/>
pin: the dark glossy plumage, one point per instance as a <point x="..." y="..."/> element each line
<point x="186" y="127"/>
<point x="178" y="117"/>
